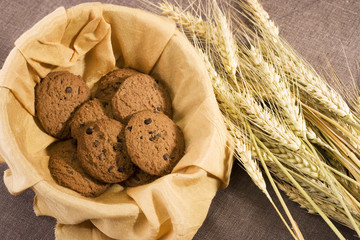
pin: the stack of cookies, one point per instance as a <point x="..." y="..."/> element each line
<point x="124" y="134"/>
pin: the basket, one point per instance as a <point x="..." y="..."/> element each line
<point x="90" y="40"/>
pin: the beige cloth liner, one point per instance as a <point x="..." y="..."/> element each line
<point x="90" y="40"/>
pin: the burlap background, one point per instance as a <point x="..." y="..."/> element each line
<point x="313" y="27"/>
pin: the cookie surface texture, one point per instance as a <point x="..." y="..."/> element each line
<point x="137" y="93"/>
<point x="56" y="98"/>
<point x="154" y="142"/>
<point x="102" y="151"/>
<point x="90" y="111"/>
<point x="110" y="83"/>
<point x="67" y="171"/>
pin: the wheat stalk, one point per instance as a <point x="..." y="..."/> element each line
<point x="243" y="153"/>
<point x="302" y="74"/>
<point x="277" y="128"/>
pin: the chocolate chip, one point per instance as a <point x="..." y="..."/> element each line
<point x="101" y="156"/>
<point x="147" y="121"/>
<point x="158" y="108"/>
<point x="141" y="137"/>
<point x="118" y="139"/>
<point x="68" y="90"/>
<point x="121" y="169"/>
<point x="152" y="138"/>
<point x="157" y="81"/>
<point x="136" y="178"/>
<point x="104" y="104"/>
<point x="89" y="131"/>
<point x="82" y="124"/>
<point x="166" y="156"/>
<point x="96" y="143"/>
<point x="151" y="132"/>
<point x="116" y="147"/>
<point x="129" y="128"/>
<point x="110" y="168"/>
<point x="74" y="142"/>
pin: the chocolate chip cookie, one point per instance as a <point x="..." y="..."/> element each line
<point x="110" y="83"/>
<point x="67" y="171"/>
<point x="154" y="142"/>
<point x="56" y="98"/>
<point x="90" y="111"/>
<point x="102" y="151"/>
<point x="139" y="178"/>
<point x="137" y="93"/>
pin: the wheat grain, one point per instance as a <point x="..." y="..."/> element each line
<point x="313" y="138"/>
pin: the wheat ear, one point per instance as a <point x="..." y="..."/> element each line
<point x="329" y="208"/>
<point x="243" y="154"/>
<point x="281" y="92"/>
<point x="302" y="161"/>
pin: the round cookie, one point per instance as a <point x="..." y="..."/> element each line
<point x="90" y="111"/>
<point x="139" y="178"/>
<point x="110" y="83"/>
<point x="56" y="98"/>
<point x="67" y="171"/>
<point x="154" y="142"/>
<point x="137" y="93"/>
<point x="102" y="151"/>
